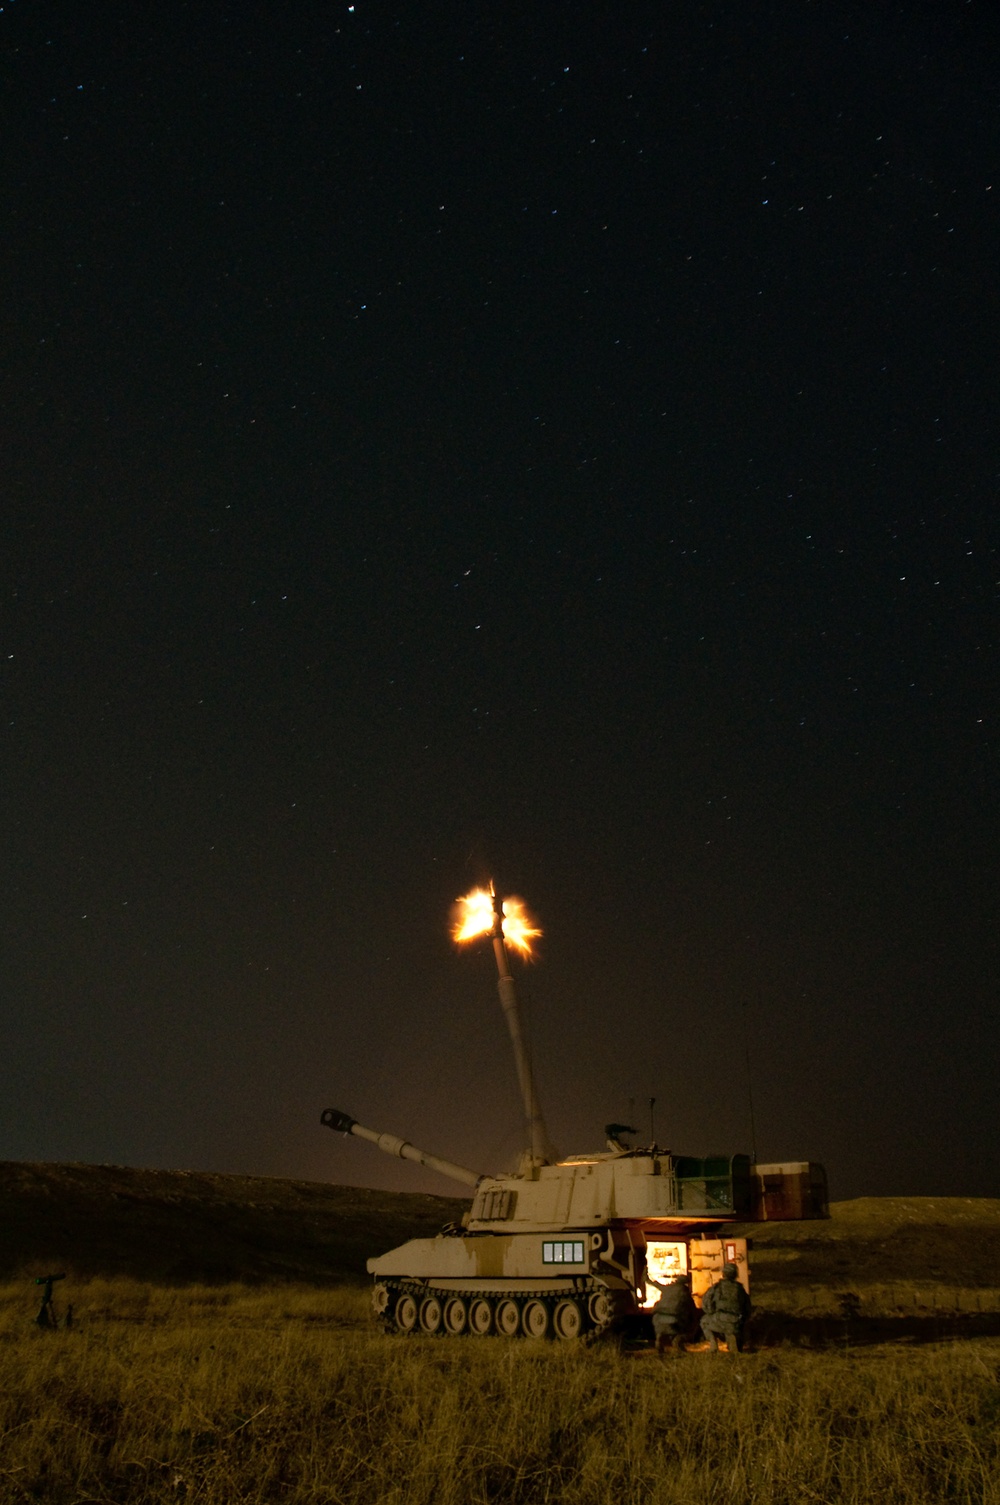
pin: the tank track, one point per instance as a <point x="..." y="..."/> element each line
<point x="600" y="1314"/>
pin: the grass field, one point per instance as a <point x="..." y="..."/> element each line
<point x="243" y="1366"/>
<point x="229" y="1394"/>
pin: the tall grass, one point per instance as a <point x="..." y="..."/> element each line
<point x="226" y="1395"/>
<point x="876" y="1299"/>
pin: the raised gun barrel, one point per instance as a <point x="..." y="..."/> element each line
<point x="391" y="1144"/>
<point x="540" y="1150"/>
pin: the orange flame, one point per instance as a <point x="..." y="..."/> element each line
<point x="473" y="916"/>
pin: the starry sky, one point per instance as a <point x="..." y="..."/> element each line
<point x="549" y="442"/>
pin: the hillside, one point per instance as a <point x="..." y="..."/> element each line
<point x="891" y="1241"/>
<point x="194" y="1226"/>
<point x="905" y="1265"/>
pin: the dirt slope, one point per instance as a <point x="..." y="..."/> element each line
<point x="882" y="1257"/>
<point x="194" y="1226"/>
<point x="887" y="1239"/>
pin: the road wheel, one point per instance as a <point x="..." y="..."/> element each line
<point x="535" y="1320"/>
<point x="430" y="1315"/>
<point x="508" y="1317"/>
<point x="406" y="1314"/>
<point x="599" y="1307"/>
<point x="567" y="1320"/>
<point x="480" y="1317"/>
<point x="380" y="1299"/>
<point x="455" y="1316"/>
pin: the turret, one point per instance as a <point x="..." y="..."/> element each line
<point x="635" y="1187"/>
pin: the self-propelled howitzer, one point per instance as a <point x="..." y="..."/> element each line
<point x="563" y="1247"/>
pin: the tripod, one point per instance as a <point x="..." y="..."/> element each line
<point x="46" y="1317"/>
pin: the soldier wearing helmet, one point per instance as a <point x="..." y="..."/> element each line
<point x="674" y="1314"/>
<point x="724" y="1311"/>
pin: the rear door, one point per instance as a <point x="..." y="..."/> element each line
<point x="707" y="1257"/>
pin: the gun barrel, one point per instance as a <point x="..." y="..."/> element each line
<point x="538" y="1138"/>
<point x="540" y="1149"/>
<point x="391" y="1144"/>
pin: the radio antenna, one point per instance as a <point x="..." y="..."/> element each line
<point x="746" y="1054"/>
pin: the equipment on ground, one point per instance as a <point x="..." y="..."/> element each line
<point x="46" y="1316"/>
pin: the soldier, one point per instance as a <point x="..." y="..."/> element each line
<point x="724" y="1311"/>
<point x="673" y="1314"/>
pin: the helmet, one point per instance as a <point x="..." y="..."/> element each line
<point x="729" y="1271"/>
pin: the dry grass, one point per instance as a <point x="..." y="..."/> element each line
<point x="234" y="1394"/>
<point x="873" y="1299"/>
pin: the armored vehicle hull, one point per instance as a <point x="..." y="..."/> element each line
<point x="579" y="1284"/>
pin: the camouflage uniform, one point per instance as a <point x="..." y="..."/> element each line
<point x="673" y="1314"/>
<point x="725" y="1309"/>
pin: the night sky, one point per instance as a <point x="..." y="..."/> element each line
<point x="550" y="441"/>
